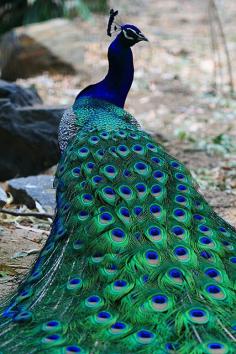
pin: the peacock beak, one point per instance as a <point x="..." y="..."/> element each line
<point x="141" y="37"/>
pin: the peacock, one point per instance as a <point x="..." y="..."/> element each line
<point x="136" y="261"/>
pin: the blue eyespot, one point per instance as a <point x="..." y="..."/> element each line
<point x="106" y="217"/>
<point x="141" y="187"/>
<point x="151" y="255"/>
<point x="112" y="267"/>
<point x="121" y="132"/>
<point x="205" y="240"/>
<point x="75" y="281"/>
<point x="175" y="273"/>
<point x="83" y="213"/>
<point x="97" y="179"/>
<point x="101" y="152"/>
<point x="158" y="174"/>
<point x="203" y="228"/>
<point x="127" y="173"/>
<point x="104" y="315"/>
<point x="122" y="148"/>
<point x="159" y="299"/>
<point x="120" y="283"/>
<point x="66" y="207"/>
<point x="125" y="190"/>
<point x="93" y="298"/>
<point x="113" y="149"/>
<point x="84" y="150"/>
<point x="222" y="229"/>
<point x="90" y="165"/>
<point x="212" y="273"/>
<point x="179" y="212"/>
<point x="125" y="212"/>
<point x="52" y="323"/>
<point x="175" y="164"/>
<point x="76" y="170"/>
<point x="198" y="217"/>
<point x="23" y="316"/>
<point x="88" y="197"/>
<point x="118" y="233"/>
<point x="179" y="176"/>
<point x="109" y="191"/>
<point x="24" y="292"/>
<point x="155" y="209"/>
<point x="177" y="230"/>
<point x="182" y="187"/>
<point x="154" y="231"/>
<point x="73" y="349"/>
<point x="118" y="325"/>
<point x="233" y="260"/>
<point x="137" y="148"/>
<point x="205" y="254"/>
<point x="140" y="166"/>
<point x="110" y="169"/>
<point x="53" y="337"/>
<point x="145" y="334"/>
<point x="180" y="251"/>
<point x="213" y="289"/>
<point x="215" y="346"/>
<point x="180" y="199"/>
<point x="138" y="210"/>
<point x="198" y="313"/>
<point x="155" y="159"/>
<point x="170" y="346"/>
<point x="156" y="189"/>
<point x="83" y="184"/>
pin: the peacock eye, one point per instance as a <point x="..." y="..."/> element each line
<point x="130" y="32"/>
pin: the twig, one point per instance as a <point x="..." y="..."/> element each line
<point x="215" y="50"/>
<point x="40" y="231"/>
<point x="18" y="213"/>
<point x="213" y="5"/>
<point x="222" y="206"/>
<point x="17" y="266"/>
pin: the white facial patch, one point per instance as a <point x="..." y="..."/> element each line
<point x="127" y="36"/>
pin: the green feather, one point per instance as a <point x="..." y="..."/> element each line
<point x="136" y="262"/>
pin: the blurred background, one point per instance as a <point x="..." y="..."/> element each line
<point x="183" y="93"/>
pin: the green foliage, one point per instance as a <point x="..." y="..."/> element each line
<point x="15" y="13"/>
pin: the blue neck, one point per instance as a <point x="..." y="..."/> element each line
<point x="115" y="86"/>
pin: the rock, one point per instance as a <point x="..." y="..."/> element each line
<point x="17" y="95"/>
<point x="51" y="46"/>
<point x="34" y="189"/>
<point x="28" y="139"/>
<point x="3" y="197"/>
<point x="28" y="132"/>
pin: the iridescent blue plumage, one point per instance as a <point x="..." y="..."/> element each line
<point x="115" y="86"/>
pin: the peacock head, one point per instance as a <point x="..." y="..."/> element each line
<point x="129" y="34"/>
<point x="132" y="35"/>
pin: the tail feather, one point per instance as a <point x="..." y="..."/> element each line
<point x="137" y="261"/>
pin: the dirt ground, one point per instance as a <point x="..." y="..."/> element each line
<point x="172" y="96"/>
